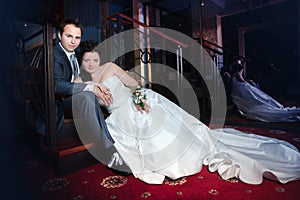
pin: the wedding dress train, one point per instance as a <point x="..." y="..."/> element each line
<point x="170" y="142"/>
<point x="253" y="103"/>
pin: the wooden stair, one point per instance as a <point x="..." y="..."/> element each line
<point x="33" y="87"/>
<point x="69" y="154"/>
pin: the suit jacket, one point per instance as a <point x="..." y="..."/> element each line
<point x="63" y="74"/>
<point x="63" y="86"/>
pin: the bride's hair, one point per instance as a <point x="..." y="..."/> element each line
<point x="87" y="46"/>
<point x="237" y="67"/>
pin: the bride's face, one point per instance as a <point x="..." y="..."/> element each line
<point x="90" y="62"/>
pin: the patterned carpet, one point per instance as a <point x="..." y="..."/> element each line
<point x="25" y="176"/>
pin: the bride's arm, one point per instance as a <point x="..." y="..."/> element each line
<point x="239" y="77"/>
<point x="102" y="88"/>
<point x="130" y="83"/>
<point x="124" y="77"/>
<point x="101" y="91"/>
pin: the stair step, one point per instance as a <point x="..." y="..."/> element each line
<point x="76" y="149"/>
<point x="70" y="155"/>
<point x="69" y="146"/>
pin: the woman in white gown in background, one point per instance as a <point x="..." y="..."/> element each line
<point x="165" y="141"/>
<point x="254" y="104"/>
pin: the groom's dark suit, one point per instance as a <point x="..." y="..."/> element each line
<point x="73" y="102"/>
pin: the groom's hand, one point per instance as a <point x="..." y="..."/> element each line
<point x="105" y="96"/>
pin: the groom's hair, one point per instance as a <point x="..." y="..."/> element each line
<point x="74" y="21"/>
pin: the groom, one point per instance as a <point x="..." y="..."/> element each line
<point x="78" y="100"/>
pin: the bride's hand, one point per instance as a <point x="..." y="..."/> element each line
<point x="103" y="88"/>
<point x="146" y="108"/>
<point x="106" y="98"/>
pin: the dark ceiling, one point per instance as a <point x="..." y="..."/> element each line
<point x="15" y="13"/>
<point x="210" y="7"/>
<point x="33" y="10"/>
<point x="37" y="10"/>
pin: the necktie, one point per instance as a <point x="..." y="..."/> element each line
<point x="74" y="65"/>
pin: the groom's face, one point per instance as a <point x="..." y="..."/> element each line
<point x="70" y="38"/>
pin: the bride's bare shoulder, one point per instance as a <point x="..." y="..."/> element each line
<point x="108" y="64"/>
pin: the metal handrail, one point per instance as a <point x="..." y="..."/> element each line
<point x="116" y="15"/>
<point x="216" y="50"/>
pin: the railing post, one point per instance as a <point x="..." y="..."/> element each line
<point x="49" y="86"/>
<point x="179" y="69"/>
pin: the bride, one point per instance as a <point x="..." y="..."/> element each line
<point x="158" y="139"/>
<point x="253" y="103"/>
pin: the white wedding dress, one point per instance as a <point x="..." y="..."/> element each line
<point x="253" y="103"/>
<point x="170" y="142"/>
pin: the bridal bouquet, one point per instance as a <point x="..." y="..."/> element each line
<point x="139" y="97"/>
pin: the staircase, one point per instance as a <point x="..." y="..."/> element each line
<point x="35" y="90"/>
<point x="69" y="154"/>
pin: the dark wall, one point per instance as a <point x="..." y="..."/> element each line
<point x="271" y="48"/>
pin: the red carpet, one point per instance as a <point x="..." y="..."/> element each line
<point x="28" y="178"/>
